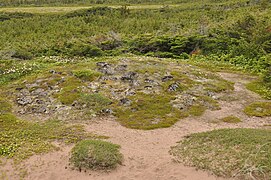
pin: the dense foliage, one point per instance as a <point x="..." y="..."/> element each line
<point x="220" y="31"/>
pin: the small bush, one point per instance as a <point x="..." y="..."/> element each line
<point x="81" y="49"/>
<point x="95" y="154"/>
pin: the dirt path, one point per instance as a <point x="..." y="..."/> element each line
<point x="146" y="152"/>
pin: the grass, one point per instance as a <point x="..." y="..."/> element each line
<point x="95" y="101"/>
<point x="21" y="139"/>
<point x="260" y="88"/>
<point x="95" y="154"/>
<point x="260" y="109"/>
<point x="87" y="75"/>
<point x="231" y="119"/>
<point x="149" y="111"/>
<point x="244" y="153"/>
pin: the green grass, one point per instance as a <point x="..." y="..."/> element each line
<point x="21" y="139"/>
<point x="260" y="109"/>
<point x="87" y="75"/>
<point x="244" y="153"/>
<point x="95" y="154"/>
<point x="95" y="101"/>
<point x="231" y="119"/>
<point x="260" y="88"/>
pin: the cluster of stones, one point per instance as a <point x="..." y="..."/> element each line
<point x="119" y="82"/>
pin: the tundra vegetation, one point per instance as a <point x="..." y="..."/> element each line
<point x="145" y="63"/>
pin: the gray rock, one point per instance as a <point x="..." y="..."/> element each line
<point x="24" y="100"/>
<point x="173" y="87"/>
<point x="52" y="71"/>
<point x="125" y="101"/>
<point x="130" y="76"/>
<point x="107" y="111"/>
<point x="167" y="78"/>
<point x="121" y="67"/>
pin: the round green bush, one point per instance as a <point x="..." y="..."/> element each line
<point x="95" y="154"/>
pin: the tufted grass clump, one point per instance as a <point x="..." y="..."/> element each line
<point x="95" y="154"/>
<point x="260" y="109"/>
<point x="231" y="119"/>
<point x="244" y="153"/>
<point x="87" y="75"/>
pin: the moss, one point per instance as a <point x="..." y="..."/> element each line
<point x="70" y="91"/>
<point x="149" y="111"/>
<point x="260" y="109"/>
<point x="231" y="119"/>
<point x="95" y="154"/>
<point x="260" y="88"/>
<point x="87" y="75"/>
<point x="95" y="101"/>
<point x="228" y="152"/>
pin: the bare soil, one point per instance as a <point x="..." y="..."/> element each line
<point x="146" y="153"/>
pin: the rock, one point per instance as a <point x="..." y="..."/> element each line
<point x="125" y="101"/>
<point x="39" y="92"/>
<point x="130" y="93"/>
<point x="167" y="78"/>
<point x="173" y="87"/>
<point x="121" y="67"/>
<point x="52" y="71"/>
<point x="148" y="81"/>
<point x="24" y="100"/>
<point x="130" y="76"/>
<point x="30" y="86"/>
<point x="102" y="64"/>
<point x="148" y="87"/>
<point x="24" y="92"/>
<point x="105" y="68"/>
<point x="107" y="111"/>
<point x="19" y="88"/>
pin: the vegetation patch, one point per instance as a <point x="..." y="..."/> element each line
<point x="87" y="75"/>
<point x="244" y="153"/>
<point x="260" y="88"/>
<point x="5" y="107"/>
<point x="96" y="101"/>
<point x="149" y="111"/>
<point x="95" y="154"/>
<point x="231" y="119"/>
<point x="70" y="91"/>
<point x="260" y="109"/>
<point x="20" y="139"/>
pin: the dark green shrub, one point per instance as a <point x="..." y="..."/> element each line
<point x="81" y="49"/>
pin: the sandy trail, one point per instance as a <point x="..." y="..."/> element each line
<point x="146" y="153"/>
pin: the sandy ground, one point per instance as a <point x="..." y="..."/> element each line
<point x="146" y="153"/>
